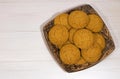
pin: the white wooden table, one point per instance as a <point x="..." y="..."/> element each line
<point x="23" y="53"/>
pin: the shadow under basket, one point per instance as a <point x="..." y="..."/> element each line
<point x="55" y="51"/>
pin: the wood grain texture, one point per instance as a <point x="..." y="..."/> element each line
<point x="23" y="53"/>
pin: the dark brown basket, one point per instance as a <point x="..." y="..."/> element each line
<point x="55" y="51"/>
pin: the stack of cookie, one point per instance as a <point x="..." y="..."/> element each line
<point x="78" y="37"/>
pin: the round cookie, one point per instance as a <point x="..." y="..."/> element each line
<point x="95" y="24"/>
<point x="78" y="19"/>
<point x="71" y="34"/>
<point x="99" y="39"/>
<point x="62" y="19"/>
<point x="69" y="54"/>
<point x="81" y="61"/>
<point x="83" y="38"/>
<point x="92" y="54"/>
<point x="58" y="35"/>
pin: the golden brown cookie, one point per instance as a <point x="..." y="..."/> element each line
<point x="95" y="24"/>
<point x="83" y="38"/>
<point x="71" y="34"/>
<point x="81" y="61"/>
<point x="99" y="39"/>
<point x="92" y="54"/>
<point x="67" y="42"/>
<point x="69" y="54"/>
<point x="62" y="19"/>
<point x="58" y="35"/>
<point x="78" y="19"/>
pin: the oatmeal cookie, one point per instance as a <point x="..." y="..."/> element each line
<point x="78" y="19"/>
<point x="92" y="54"/>
<point x="71" y="34"/>
<point x="62" y="19"/>
<point x="83" y="38"/>
<point x="58" y="35"/>
<point x="99" y="39"/>
<point x="95" y="24"/>
<point x="69" y="54"/>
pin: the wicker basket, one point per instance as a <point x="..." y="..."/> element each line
<point x="55" y="51"/>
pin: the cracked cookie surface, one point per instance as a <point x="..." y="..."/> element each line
<point x="58" y="35"/>
<point x="92" y="54"/>
<point x="78" y="19"/>
<point x="62" y="19"/>
<point x="83" y="38"/>
<point x="69" y="54"/>
<point x="95" y="24"/>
